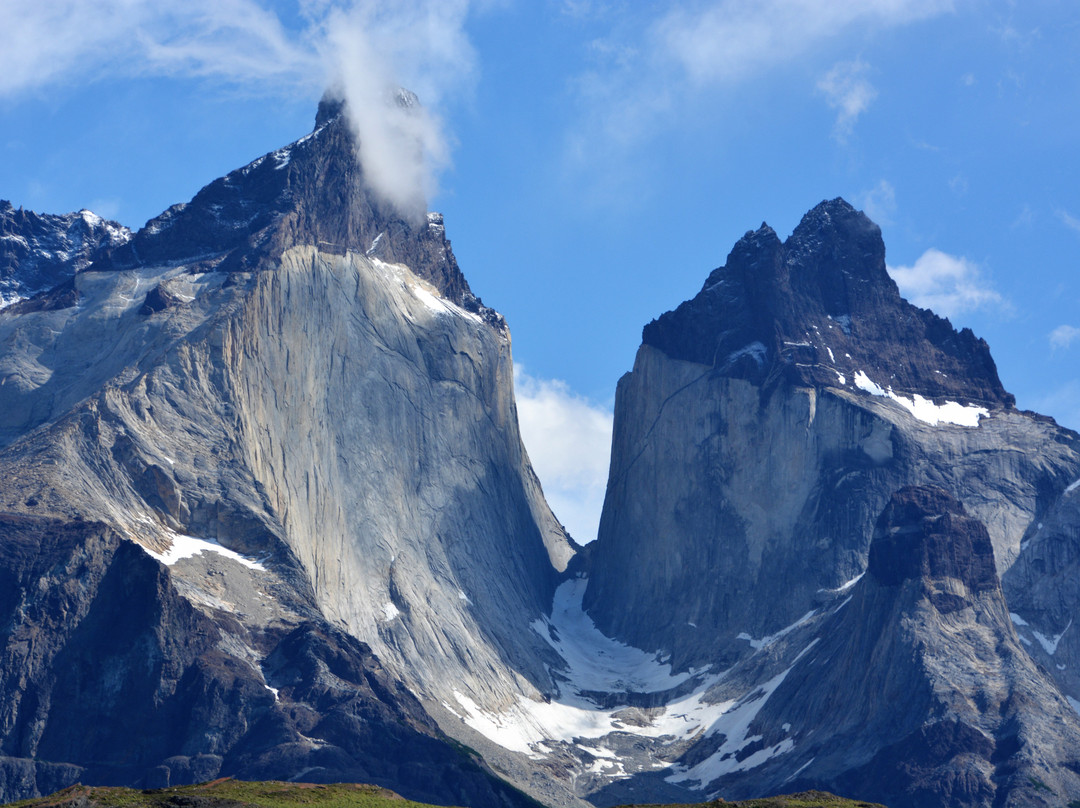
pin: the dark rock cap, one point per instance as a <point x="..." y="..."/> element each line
<point x="311" y="192"/>
<point x="819" y="308"/>
<point x="924" y="533"/>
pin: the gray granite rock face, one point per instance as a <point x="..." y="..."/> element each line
<point x="734" y="508"/>
<point x="293" y="383"/>
<point x="916" y="690"/>
<point x="765" y="426"/>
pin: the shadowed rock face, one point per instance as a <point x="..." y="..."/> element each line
<point x="909" y="687"/>
<point x="947" y="708"/>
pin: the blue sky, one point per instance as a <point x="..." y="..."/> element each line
<point x="595" y="160"/>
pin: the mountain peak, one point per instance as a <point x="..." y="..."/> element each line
<point x="331" y="106"/>
<point x="820" y="309"/>
<point x="311" y="192"/>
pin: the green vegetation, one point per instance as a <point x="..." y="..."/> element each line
<point x="804" y="799"/>
<point x="226" y="793"/>
<point x="229" y="793"/>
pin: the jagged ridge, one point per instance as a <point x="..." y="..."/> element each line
<point x="821" y="306"/>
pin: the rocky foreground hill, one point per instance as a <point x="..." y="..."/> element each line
<point x="265" y="513"/>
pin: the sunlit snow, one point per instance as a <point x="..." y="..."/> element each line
<point x="951" y="412"/>
<point x="188" y="546"/>
<point x="597" y="663"/>
<point x="734" y="725"/>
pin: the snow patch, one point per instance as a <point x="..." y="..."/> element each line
<point x="757" y="645"/>
<point x="188" y="546"/>
<point x="1074" y="703"/>
<point x="844" y="587"/>
<point x="831" y="357"/>
<point x="1072" y="487"/>
<point x="389" y="611"/>
<point x="734" y="725"/>
<point x="1050" y="644"/>
<point x="756" y="350"/>
<point x="951" y="412"/>
<point x="594" y="661"/>
<point x="1017" y="619"/>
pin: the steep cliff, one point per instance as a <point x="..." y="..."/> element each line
<point x="916" y="690"/>
<point x="286" y="417"/>
<point x="767" y="422"/>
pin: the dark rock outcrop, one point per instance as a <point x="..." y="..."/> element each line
<point x="819" y="305"/>
<point x="312" y="192"/>
<point x="41" y="251"/>
<point x="111" y="676"/>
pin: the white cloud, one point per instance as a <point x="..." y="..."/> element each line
<point x="848" y="91"/>
<point x="879" y="203"/>
<point x="364" y="47"/>
<point x="1069" y="220"/>
<point x="568" y="439"/>
<point x="1063" y="336"/>
<point x="371" y="50"/>
<point x="725" y="40"/>
<point x="693" y="48"/>
<point x="947" y="284"/>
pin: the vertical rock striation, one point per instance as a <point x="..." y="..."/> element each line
<point x="296" y="449"/>
<point x="767" y="422"/>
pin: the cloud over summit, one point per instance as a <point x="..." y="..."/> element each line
<point x="362" y="48"/>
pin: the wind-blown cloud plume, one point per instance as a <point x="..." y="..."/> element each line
<point x="849" y="92"/>
<point x="569" y="443"/>
<point x="947" y="284"/>
<point x="365" y="49"/>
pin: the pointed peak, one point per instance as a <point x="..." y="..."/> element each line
<point x="331" y="106"/>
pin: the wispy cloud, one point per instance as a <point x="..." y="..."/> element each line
<point x="725" y="40"/>
<point x="1069" y="220"/>
<point x="365" y="48"/>
<point x="879" y="203"/>
<point x="849" y="92"/>
<point x="692" y="49"/>
<point x="1063" y="336"/>
<point x="947" y="284"/>
<point x="568" y="439"/>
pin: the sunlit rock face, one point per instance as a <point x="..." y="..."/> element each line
<point x="765" y="427"/>
<point x="265" y="512"/>
<point x="280" y="422"/>
<point x="767" y="422"/>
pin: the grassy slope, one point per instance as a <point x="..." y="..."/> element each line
<point x="228" y="793"/>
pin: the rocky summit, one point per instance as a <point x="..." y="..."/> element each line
<point x="265" y="513"/>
